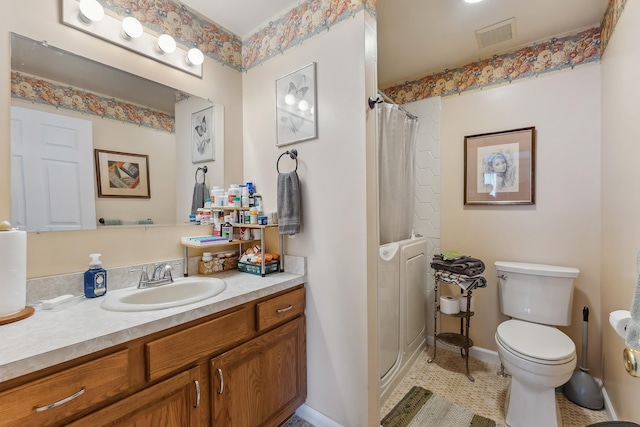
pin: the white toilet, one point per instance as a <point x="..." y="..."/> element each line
<point x="538" y="357"/>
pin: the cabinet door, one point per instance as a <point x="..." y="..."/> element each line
<point x="263" y="381"/>
<point x="175" y="402"/>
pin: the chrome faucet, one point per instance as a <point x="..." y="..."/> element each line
<point x="161" y="275"/>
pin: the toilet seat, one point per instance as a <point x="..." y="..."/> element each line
<point x="536" y="343"/>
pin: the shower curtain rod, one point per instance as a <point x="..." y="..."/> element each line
<point x="385" y="98"/>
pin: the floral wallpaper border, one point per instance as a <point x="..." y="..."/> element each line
<point x="553" y="55"/>
<point x="192" y="29"/>
<point x="609" y="21"/>
<point x="309" y="19"/>
<point x="41" y="91"/>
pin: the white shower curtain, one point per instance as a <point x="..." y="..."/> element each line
<point x="396" y="172"/>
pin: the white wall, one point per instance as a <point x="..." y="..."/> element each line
<point x="563" y="227"/>
<point x="620" y="202"/>
<point x="186" y="176"/>
<point x="333" y="182"/>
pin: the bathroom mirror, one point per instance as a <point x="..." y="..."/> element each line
<point x="126" y="114"/>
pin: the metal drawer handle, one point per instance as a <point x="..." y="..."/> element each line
<point x="197" y="384"/>
<point x="221" y="389"/>
<point x="282" y="310"/>
<point x="61" y="402"/>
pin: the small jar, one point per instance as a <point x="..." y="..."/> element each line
<point x="253" y="216"/>
<point x="206" y="256"/>
<point x="206" y="217"/>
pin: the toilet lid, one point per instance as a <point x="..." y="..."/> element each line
<point x="536" y="341"/>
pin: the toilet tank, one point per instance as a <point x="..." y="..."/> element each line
<point x="536" y="292"/>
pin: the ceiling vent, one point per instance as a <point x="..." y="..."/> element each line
<point x="496" y="33"/>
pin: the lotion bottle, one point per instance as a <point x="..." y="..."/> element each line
<point x="95" y="278"/>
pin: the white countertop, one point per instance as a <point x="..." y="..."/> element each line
<point x="81" y="327"/>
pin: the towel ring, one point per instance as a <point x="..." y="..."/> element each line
<point x="293" y="154"/>
<point x="204" y="170"/>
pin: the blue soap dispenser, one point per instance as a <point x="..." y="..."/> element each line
<point x="95" y="278"/>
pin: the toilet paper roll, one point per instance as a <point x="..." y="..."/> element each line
<point x="449" y="305"/>
<point x="619" y="320"/>
<point x="13" y="271"/>
<point x="463" y="303"/>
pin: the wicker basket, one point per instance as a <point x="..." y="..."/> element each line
<point x="217" y="265"/>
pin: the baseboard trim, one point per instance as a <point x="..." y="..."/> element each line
<point x="482" y="354"/>
<point x="608" y="406"/>
<point x="314" y="417"/>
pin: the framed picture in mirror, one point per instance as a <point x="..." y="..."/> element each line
<point x="499" y="168"/>
<point x="296" y="106"/>
<point x="122" y="174"/>
<point x="202" y="136"/>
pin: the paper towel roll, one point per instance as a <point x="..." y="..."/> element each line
<point x="463" y="303"/>
<point x="13" y="271"/>
<point x="449" y="305"/>
<point x="619" y="320"/>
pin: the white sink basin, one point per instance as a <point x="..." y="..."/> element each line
<point x="180" y="292"/>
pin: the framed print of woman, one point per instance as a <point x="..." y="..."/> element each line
<point x="500" y="172"/>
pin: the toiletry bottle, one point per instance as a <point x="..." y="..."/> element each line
<point x="95" y="278"/>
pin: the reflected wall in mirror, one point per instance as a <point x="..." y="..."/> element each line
<point x="124" y="113"/>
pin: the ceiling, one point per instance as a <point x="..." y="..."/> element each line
<point x="418" y="37"/>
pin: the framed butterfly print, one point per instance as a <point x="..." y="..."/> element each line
<point x="296" y="106"/>
<point x="202" y="144"/>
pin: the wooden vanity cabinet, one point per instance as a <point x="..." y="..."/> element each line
<point x="261" y="382"/>
<point x="173" y="378"/>
<point x="175" y="402"/>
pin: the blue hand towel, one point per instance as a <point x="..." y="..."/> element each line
<point x="289" y="209"/>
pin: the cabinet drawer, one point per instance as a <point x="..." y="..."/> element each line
<point x="279" y="309"/>
<point x="168" y="354"/>
<point x="48" y="400"/>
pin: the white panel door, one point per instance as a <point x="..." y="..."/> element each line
<point x="51" y="171"/>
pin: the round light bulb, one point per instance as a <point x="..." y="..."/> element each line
<point x="472" y="1"/>
<point x="91" y="11"/>
<point x="289" y="99"/>
<point x="166" y="44"/>
<point x="131" y="27"/>
<point x="195" y="56"/>
<point x="303" y="105"/>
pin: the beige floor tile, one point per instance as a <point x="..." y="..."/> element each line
<point x="485" y="396"/>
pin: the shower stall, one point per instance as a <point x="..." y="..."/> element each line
<point x="402" y="264"/>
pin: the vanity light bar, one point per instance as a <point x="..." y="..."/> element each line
<point x="111" y="29"/>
